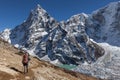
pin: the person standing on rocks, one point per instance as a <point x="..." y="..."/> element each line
<point x="25" y="62"/>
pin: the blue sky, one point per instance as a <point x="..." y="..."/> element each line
<point x="14" y="12"/>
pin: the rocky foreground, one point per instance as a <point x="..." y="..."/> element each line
<point x="11" y="67"/>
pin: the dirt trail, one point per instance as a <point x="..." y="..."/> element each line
<point x="11" y="67"/>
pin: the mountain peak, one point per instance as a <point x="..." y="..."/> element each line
<point x="38" y="14"/>
<point x="39" y="9"/>
<point x="38" y="6"/>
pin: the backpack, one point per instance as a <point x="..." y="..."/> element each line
<point x="25" y="58"/>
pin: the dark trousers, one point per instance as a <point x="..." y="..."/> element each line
<point x="25" y="67"/>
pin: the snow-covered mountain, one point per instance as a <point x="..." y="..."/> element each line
<point x="103" y="26"/>
<point x="66" y="42"/>
<point x="75" y="41"/>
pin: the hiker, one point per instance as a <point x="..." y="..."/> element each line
<point x="25" y="62"/>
